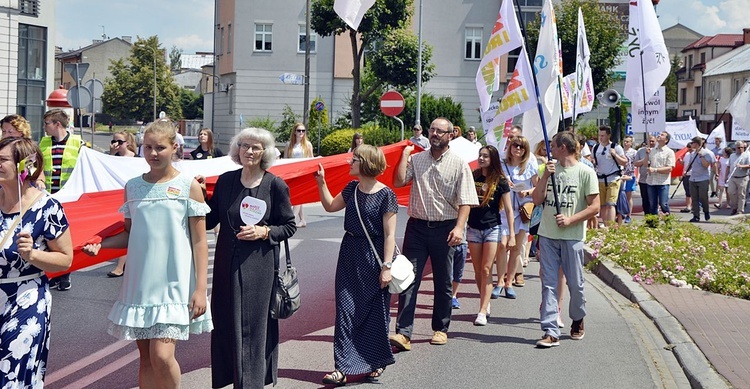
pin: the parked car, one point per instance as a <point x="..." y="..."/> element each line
<point x="191" y="143"/>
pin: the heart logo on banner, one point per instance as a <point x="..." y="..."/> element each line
<point x="252" y="210"/>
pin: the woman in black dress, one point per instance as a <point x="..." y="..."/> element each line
<point x="360" y="337"/>
<point x="243" y="274"/>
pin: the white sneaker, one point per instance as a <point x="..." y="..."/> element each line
<point x="560" y="323"/>
<point x="481" y="320"/>
<point x="489" y="307"/>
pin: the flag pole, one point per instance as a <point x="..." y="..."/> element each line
<point x="562" y="108"/>
<point x="539" y="107"/>
<point x="643" y="89"/>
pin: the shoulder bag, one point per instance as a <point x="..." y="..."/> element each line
<point x="402" y="270"/>
<point x="527" y="209"/>
<point x="286" y="297"/>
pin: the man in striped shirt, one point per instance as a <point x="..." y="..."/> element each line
<point x="442" y="192"/>
<point x="60" y="150"/>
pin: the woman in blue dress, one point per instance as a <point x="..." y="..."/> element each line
<point x="360" y="338"/>
<point x="36" y="241"/>
<point x="163" y="297"/>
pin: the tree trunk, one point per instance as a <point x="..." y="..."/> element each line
<point x="356" y="102"/>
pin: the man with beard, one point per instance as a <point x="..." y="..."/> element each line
<point x="442" y="192"/>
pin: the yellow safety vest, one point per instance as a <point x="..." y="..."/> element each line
<point x="69" y="158"/>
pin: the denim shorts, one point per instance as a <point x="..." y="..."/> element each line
<point x="474" y="235"/>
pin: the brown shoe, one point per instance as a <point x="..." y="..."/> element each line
<point x="548" y="341"/>
<point x="576" y="330"/>
<point x="439" y="338"/>
<point x="518" y="281"/>
<point x="401" y="342"/>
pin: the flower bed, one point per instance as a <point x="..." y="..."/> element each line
<point x="680" y="254"/>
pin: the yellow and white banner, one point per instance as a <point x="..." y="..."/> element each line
<point x="506" y="37"/>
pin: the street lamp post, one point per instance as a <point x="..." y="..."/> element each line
<point x="154" y="49"/>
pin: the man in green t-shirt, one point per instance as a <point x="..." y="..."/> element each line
<point x="561" y="235"/>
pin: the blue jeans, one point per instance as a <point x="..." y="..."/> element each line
<point x="424" y="240"/>
<point x="658" y="196"/>
<point x="459" y="260"/>
<point x="568" y="255"/>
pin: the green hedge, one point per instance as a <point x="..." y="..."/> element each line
<point x="339" y="141"/>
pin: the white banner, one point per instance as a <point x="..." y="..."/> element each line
<point x="352" y="11"/>
<point x="568" y="89"/>
<point x="506" y="36"/>
<point x="739" y="133"/>
<point x="489" y="125"/>
<point x="519" y="95"/>
<point x="584" y="86"/>
<point x="647" y="63"/>
<point x="680" y="133"/>
<point x="739" y="107"/>
<point x="653" y="117"/>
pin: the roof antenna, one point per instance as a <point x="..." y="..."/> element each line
<point x="104" y="35"/>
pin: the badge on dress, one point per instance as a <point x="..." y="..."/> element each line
<point x="198" y="155"/>
<point x="173" y="192"/>
<point x="252" y="210"/>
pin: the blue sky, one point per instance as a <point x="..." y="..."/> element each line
<point x="188" y="23"/>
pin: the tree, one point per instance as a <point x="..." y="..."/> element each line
<point x="382" y="32"/>
<point x="602" y="30"/>
<point x="192" y="104"/>
<point x="670" y="86"/>
<point x="129" y="94"/>
<point x="175" y="59"/>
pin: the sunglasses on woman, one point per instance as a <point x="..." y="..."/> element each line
<point x="301" y="131"/>
<point x="118" y="141"/>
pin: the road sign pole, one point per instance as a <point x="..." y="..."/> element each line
<point x="402" y="126"/>
<point x="78" y="91"/>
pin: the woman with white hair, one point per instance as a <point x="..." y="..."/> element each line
<point x="244" y="263"/>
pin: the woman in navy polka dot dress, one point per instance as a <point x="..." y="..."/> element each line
<point x="360" y="338"/>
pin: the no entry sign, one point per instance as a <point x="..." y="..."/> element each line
<point x="392" y="103"/>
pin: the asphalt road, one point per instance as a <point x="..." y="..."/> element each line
<point x="622" y="348"/>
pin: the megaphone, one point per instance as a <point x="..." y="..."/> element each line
<point x="609" y="98"/>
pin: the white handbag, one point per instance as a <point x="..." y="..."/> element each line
<point x="402" y="270"/>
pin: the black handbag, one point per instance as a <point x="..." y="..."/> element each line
<point x="286" y="297"/>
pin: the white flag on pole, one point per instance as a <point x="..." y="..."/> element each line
<point x="584" y="81"/>
<point x="648" y="60"/>
<point x="720" y="132"/>
<point x="547" y="69"/>
<point x="519" y="96"/>
<point x="739" y="107"/>
<point x="352" y="11"/>
<point x="506" y="37"/>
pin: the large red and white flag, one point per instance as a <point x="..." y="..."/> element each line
<point x="584" y="85"/>
<point x="547" y="66"/>
<point x="352" y="11"/>
<point x="648" y="60"/>
<point x="506" y="37"/>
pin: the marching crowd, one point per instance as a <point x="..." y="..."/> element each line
<point x="515" y="201"/>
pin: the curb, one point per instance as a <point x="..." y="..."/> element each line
<point x="697" y="368"/>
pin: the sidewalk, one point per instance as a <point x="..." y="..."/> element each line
<point x="706" y="331"/>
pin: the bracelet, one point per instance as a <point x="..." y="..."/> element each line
<point x="268" y="232"/>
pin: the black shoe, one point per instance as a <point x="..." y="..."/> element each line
<point x="713" y="194"/>
<point x="708" y="216"/>
<point x="54" y="282"/>
<point x="64" y="283"/>
<point x="685" y="210"/>
<point x="694" y="220"/>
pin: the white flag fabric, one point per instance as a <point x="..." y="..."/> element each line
<point x="720" y="132"/>
<point x="584" y="85"/>
<point x="506" y="37"/>
<point x="648" y="60"/>
<point x="568" y="90"/>
<point x="739" y="107"/>
<point x="547" y="69"/>
<point x="352" y="11"/>
<point x="519" y="95"/>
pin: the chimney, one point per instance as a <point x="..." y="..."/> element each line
<point x="127" y="38"/>
<point x="746" y="36"/>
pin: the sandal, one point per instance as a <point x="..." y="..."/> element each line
<point x="336" y="378"/>
<point x="376" y="373"/>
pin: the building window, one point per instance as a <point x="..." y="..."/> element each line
<point x="683" y="96"/>
<point x="29" y="7"/>
<point x="703" y="57"/>
<point x="473" y="43"/>
<point x="229" y="39"/>
<point x="32" y="73"/>
<point x="736" y="87"/>
<point x="698" y="95"/>
<point x="263" y="37"/>
<point x="221" y="41"/>
<point x="302" y="36"/>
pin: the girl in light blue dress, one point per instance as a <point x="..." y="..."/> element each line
<point x="163" y="296"/>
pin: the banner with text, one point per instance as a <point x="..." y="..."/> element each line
<point x="653" y="117"/>
<point x="680" y="133"/>
<point x="739" y="133"/>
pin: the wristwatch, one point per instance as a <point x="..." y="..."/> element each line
<point x="387" y="265"/>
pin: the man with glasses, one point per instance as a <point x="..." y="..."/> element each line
<point x="739" y="166"/>
<point x="641" y="162"/>
<point x="60" y="149"/>
<point x="442" y="192"/>
<point x="608" y="157"/>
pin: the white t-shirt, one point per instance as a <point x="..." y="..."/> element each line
<point x="605" y="162"/>
<point x="180" y="140"/>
